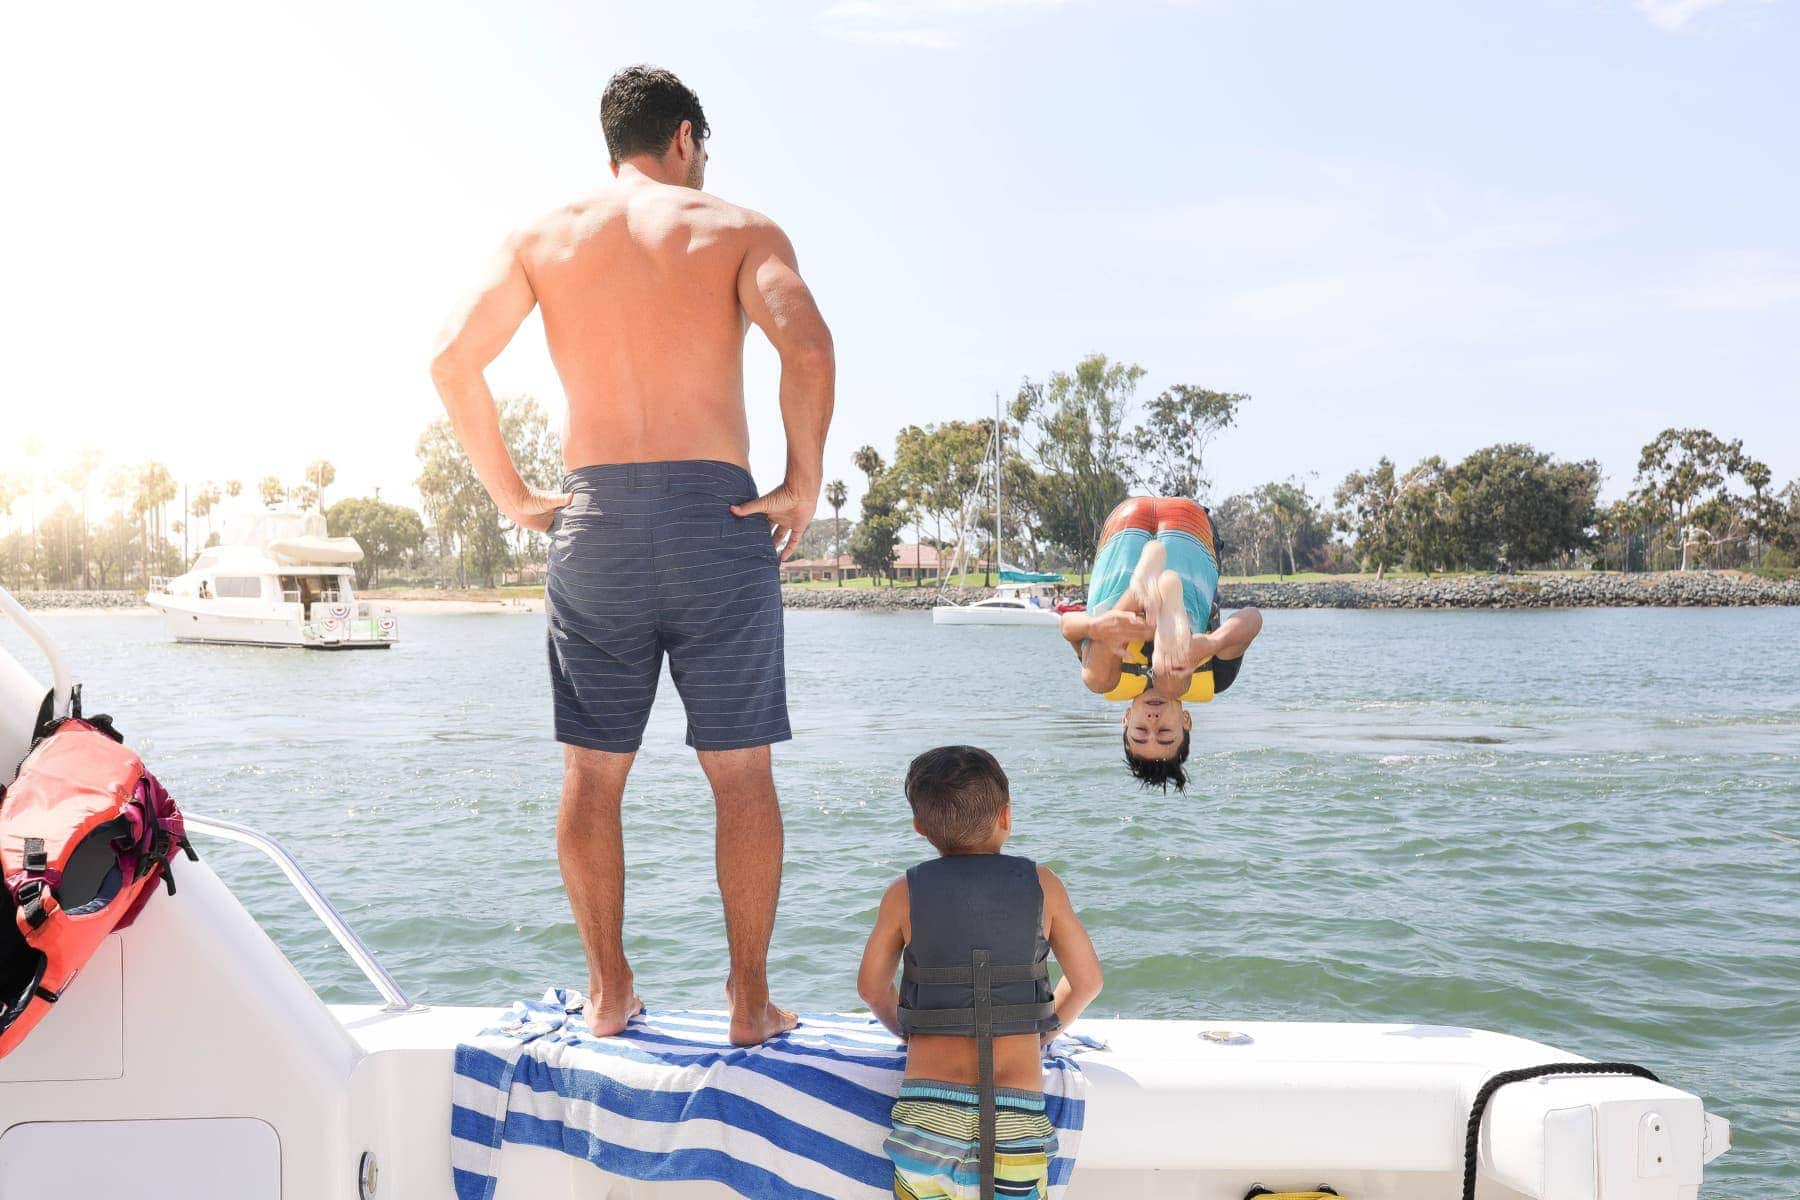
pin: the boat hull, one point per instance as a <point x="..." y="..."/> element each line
<point x="231" y="623"/>
<point x="1377" y="1111"/>
<point x="963" y="614"/>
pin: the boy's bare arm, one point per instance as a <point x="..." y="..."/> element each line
<point x="1073" y="948"/>
<point x="881" y="957"/>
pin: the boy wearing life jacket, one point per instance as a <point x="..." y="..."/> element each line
<point x="1151" y="635"/>
<point x="971" y="931"/>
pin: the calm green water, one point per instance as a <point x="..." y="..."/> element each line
<point x="1576" y="826"/>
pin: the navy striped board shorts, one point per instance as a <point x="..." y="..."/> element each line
<point x="647" y="560"/>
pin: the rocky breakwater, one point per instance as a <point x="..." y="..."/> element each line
<point x="1594" y="589"/>
<point x="76" y="598"/>
<point x="882" y="599"/>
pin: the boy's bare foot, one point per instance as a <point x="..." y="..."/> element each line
<point x="754" y="1019"/>
<point x="608" y="1011"/>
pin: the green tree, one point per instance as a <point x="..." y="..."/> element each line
<point x="462" y="517"/>
<point x="938" y="471"/>
<point x="836" y="496"/>
<point x="1073" y="429"/>
<point x="1680" y="470"/>
<point x="320" y="475"/>
<point x="537" y="454"/>
<point x="1619" y="525"/>
<point x="1241" y="535"/>
<point x="1426" y="529"/>
<point x="59" y="538"/>
<point x="1369" y="509"/>
<point x="1785" y="521"/>
<point x="872" y="544"/>
<point x="1514" y="506"/>
<point x="1761" y="509"/>
<point x="115" y="544"/>
<point x="390" y="534"/>
<point x="272" y="491"/>
<point x="868" y="461"/>
<point x="79" y="477"/>
<point x="1293" y="519"/>
<point x="1169" y="448"/>
<point x="202" y="504"/>
<point x="822" y="538"/>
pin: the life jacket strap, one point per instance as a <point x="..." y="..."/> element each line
<point x="957" y="976"/>
<point x="924" y="1020"/>
<point x="982" y="972"/>
<point x="30" y="899"/>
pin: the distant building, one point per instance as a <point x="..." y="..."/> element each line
<point x="913" y="562"/>
<point x="819" y="570"/>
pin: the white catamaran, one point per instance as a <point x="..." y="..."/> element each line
<point x="191" y="1060"/>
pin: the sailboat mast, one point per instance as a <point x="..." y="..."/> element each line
<point x="999" y="437"/>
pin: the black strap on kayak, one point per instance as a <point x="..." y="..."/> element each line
<point x="982" y="970"/>
<point x="1471" y="1141"/>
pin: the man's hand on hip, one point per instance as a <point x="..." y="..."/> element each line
<point x="535" y="509"/>
<point x="789" y="509"/>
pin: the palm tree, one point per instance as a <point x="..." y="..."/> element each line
<point x="835" y="495"/>
<point x="80" y="477"/>
<point x="321" y="475"/>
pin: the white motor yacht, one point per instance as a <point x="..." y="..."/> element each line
<point x="189" y="1059"/>
<point x="275" y="579"/>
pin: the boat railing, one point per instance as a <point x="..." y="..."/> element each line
<point x="159" y="583"/>
<point x="395" y="997"/>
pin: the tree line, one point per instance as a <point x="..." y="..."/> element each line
<point x="1077" y="443"/>
<point x="138" y="522"/>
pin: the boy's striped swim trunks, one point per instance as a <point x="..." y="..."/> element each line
<point x="936" y="1144"/>
<point x="648" y="559"/>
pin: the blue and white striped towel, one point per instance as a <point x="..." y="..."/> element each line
<point x="800" y="1118"/>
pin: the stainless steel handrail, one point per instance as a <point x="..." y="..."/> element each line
<point x="355" y="947"/>
<point x="61" y="682"/>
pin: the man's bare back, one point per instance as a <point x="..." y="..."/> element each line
<point x="646" y="290"/>
<point x="642" y="290"/>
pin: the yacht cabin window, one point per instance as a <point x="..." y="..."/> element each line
<point x="238" y="587"/>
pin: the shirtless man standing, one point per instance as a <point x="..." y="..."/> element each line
<point x="659" y="540"/>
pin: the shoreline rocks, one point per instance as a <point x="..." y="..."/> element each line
<point x="76" y="598"/>
<point x="1588" y="589"/>
<point x="1592" y="589"/>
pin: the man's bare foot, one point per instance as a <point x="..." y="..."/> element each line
<point x="608" y="1012"/>
<point x="755" y="1020"/>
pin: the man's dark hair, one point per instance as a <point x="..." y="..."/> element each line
<point x="643" y="107"/>
<point x="1161" y="772"/>
<point x="956" y="793"/>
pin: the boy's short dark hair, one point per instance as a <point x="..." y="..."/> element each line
<point x="643" y="108"/>
<point x="956" y="793"/>
<point x="1161" y="772"/>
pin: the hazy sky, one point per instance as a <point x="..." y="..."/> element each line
<point x="230" y="231"/>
